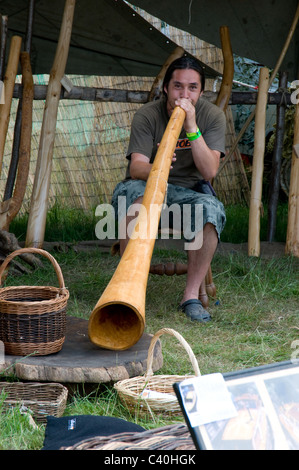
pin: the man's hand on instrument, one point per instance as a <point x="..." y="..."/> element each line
<point x="190" y="120"/>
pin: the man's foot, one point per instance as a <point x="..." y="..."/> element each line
<point x="194" y="310"/>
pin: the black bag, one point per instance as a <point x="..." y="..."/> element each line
<point x="69" y="430"/>
<point x="204" y="187"/>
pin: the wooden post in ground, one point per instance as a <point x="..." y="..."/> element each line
<point x="222" y="102"/>
<point x="9" y="83"/>
<point x="292" y="238"/>
<point x="11" y="176"/>
<point x="40" y="193"/>
<point x="276" y="162"/>
<point x="258" y="165"/>
<point x="10" y="207"/>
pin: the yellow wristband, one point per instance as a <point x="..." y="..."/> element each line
<point x="193" y="135"/>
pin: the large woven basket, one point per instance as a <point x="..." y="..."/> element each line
<point x="172" y="437"/>
<point x="132" y="392"/>
<point x="41" y="399"/>
<point x="33" y="318"/>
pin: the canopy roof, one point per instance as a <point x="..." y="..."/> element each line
<point x="258" y="28"/>
<point x="108" y="37"/>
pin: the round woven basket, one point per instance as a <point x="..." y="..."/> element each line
<point x="136" y="392"/>
<point x="33" y="318"/>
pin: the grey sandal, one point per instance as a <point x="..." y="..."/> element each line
<point x="194" y="310"/>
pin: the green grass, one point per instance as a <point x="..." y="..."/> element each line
<point x="69" y="225"/>
<point x="255" y="321"/>
<point x="254" y="317"/>
<point x="236" y="229"/>
<point x="63" y="224"/>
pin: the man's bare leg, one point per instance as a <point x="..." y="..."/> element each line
<point x="199" y="262"/>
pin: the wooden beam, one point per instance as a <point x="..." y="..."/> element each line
<point x="82" y="93"/>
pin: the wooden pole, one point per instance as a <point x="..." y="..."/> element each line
<point x="276" y="162"/>
<point x="18" y="122"/>
<point x="222" y="102"/>
<point x="9" y="82"/>
<point x="10" y="207"/>
<point x="156" y="89"/>
<point x="258" y="165"/>
<point x="228" y="69"/>
<point x="40" y="193"/>
<point x="292" y="238"/>
<point x="4" y="21"/>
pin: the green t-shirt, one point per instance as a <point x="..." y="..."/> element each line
<point x="149" y="124"/>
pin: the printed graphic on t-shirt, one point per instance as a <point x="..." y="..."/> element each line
<point x="183" y="144"/>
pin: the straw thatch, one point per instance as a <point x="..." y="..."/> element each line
<point x="92" y="137"/>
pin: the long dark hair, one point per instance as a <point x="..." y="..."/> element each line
<point x="184" y="62"/>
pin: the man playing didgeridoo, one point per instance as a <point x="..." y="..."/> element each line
<point x="197" y="156"/>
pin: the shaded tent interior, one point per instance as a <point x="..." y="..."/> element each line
<point x="258" y="29"/>
<point x="109" y="38"/>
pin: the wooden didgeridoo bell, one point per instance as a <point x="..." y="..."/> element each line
<point x="117" y="322"/>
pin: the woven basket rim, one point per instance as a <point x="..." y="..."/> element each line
<point x="62" y="293"/>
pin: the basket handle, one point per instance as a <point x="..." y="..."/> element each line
<point x="181" y="340"/>
<point x="36" y="251"/>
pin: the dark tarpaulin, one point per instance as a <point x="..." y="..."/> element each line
<point x="108" y="37"/>
<point x="258" y="28"/>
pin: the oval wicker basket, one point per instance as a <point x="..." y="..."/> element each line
<point x="131" y="390"/>
<point x="33" y="318"/>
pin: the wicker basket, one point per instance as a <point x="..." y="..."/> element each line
<point x="42" y="399"/>
<point x="132" y="391"/>
<point x="33" y="318"/>
<point x="172" y="437"/>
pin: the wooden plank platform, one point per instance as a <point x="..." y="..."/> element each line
<point x="80" y="361"/>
